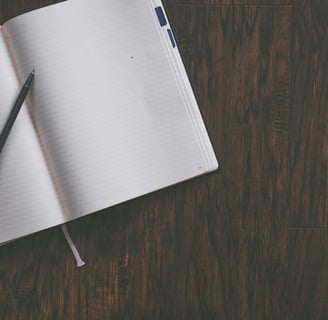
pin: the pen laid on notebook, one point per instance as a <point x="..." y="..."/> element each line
<point x="15" y="110"/>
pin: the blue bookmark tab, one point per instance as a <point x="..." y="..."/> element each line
<point x="161" y="16"/>
<point x="169" y="31"/>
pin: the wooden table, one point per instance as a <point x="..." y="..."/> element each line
<point x="247" y="242"/>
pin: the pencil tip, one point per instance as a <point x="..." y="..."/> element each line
<point x="33" y="72"/>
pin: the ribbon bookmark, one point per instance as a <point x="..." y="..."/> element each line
<point x="79" y="261"/>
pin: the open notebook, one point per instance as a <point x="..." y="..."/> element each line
<point x="111" y="114"/>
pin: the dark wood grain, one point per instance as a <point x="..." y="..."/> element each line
<point x="228" y="245"/>
<point x="231" y="2"/>
<point x="308" y="261"/>
<point x="310" y="114"/>
<point x="308" y="244"/>
<point x="241" y="76"/>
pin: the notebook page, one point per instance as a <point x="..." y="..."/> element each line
<point x="28" y="201"/>
<point x="106" y="104"/>
<point x="186" y="91"/>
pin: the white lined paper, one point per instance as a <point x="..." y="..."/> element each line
<point x="112" y="120"/>
<point x="28" y="200"/>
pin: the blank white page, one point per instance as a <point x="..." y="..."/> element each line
<point x="28" y="201"/>
<point x="106" y="102"/>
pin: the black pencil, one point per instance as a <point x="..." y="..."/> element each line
<point x="15" y="110"/>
